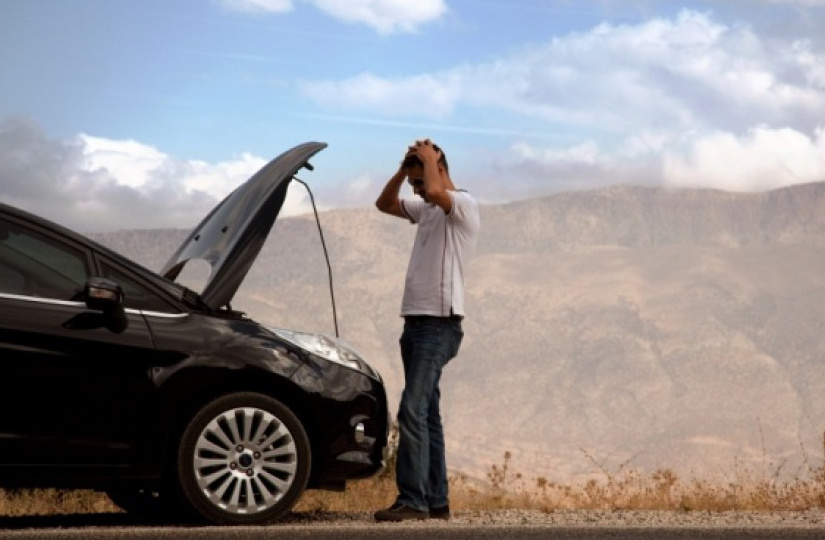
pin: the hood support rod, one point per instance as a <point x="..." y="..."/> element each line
<point x="324" y="245"/>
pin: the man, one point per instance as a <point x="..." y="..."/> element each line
<point x="432" y="307"/>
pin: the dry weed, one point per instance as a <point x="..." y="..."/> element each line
<point x="622" y="489"/>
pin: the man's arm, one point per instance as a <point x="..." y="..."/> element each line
<point x="435" y="183"/>
<point x="388" y="202"/>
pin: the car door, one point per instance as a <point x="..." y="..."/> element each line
<point x="72" y="383"/>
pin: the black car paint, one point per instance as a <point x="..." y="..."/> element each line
<point x="85" y="405"/>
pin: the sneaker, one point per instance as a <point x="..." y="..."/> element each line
<point x="442" y="512"/>
<point x="400" y="512"/>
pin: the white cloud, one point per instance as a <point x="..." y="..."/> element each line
<point x="763" y="158"/>
<point x="145" y="168"/>
<point x="362" y="185"/>
<point x="426" y="96"/>
<point x="809" y="3"/>
<point x="91" y="183"/>
<point x="129" y="161"/>
<point x="587" y="152"/>
<point x="541" y="169"/>
<point x="258" y="6"/>
<point x="674" y="96"/>
<point x="384" y="16"/>
<point x="685" y="72"/>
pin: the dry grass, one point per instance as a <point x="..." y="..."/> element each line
<point x="622" y="489"/>
<point x="626" y="490"/>
<point x="629" y="489"/>
<point x="42" y="502"/>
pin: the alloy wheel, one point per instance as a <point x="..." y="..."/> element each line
<point x="245" y="460"/>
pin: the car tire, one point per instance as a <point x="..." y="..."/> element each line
<point x="244" y="458"/>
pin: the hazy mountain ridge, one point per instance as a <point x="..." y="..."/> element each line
<point x="640" y="216"/>
<point x="670" y="325"/>
<point x="618" y="215"/>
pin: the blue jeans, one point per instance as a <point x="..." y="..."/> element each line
<point x="427" y="344"/>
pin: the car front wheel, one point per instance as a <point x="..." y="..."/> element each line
<point x="244" y="458"/>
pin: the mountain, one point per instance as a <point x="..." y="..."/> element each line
<point x="630" y="325"/>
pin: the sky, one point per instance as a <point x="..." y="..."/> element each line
<point x="121" y="114"/>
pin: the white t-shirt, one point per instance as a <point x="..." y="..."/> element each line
<point x="435" y="276"/>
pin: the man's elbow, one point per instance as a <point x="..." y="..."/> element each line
<point x="442" y="199"/>
<point x="386" y="206"/>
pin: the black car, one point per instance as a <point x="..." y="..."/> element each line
<point x="116" y="378"/>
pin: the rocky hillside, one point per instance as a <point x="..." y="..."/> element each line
<point x="664" y="328"/>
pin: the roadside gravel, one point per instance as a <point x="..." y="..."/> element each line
<point x="579" y="518"/>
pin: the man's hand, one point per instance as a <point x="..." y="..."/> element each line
<point x="425" y="151"/>
<point x="436" y="180"/>
<point x="402" y="168"/>
<point x="431" y="183"/>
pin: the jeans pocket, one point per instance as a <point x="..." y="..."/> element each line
<point x="458" y="336"/>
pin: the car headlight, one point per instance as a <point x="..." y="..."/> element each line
<point x="326" y="347"/>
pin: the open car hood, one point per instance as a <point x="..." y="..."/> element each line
<point x="231" y="236"/>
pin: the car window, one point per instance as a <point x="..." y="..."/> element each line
<point x="137" y="296"/>
<point x="12" y="280"/>
<point x="34" y="264"/>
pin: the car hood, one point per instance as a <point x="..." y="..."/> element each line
<point x="231" y="236"/>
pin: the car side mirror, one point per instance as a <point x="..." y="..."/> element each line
<point x="103" y="295"/>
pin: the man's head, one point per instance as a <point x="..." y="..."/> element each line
<point x="413" y="160"/>
<point x="415" y="177"/>
<point x="414" y="168"/>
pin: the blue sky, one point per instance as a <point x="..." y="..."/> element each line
<point x="127" y="113"/>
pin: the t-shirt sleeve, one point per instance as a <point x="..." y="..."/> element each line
<point x="412" y="209"/>
<point x="464" y="210"/>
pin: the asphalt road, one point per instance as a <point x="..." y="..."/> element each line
<point x="123" y="527"/>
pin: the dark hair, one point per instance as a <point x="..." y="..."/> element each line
<point x="411" y="161"/>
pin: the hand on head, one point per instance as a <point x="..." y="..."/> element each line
<point x="424" y="150"/>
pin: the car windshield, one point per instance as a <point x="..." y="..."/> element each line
<point x="176" y="290"/>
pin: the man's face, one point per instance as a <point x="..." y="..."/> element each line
<point x="415" y="176"/>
